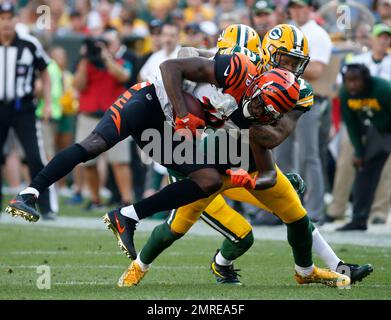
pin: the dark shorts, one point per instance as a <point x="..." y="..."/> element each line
<point x="138" y="113"/>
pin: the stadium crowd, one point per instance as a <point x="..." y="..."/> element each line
<point x="98" y="48"/>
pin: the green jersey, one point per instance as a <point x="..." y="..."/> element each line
<point x="306" y="97"/>
<point x="374" y="104"/>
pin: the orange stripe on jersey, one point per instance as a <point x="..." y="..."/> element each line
<point x="241" y="73"/>
<point x="120" y="102"/>
<point x="127" y="95"/>
<point x="116" y="118"/>
<point x="139" y="86"/>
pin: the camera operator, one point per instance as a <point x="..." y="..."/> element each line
<point x="100" y="78"/>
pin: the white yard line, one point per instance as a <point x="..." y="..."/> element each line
<point x="376" y="236"/>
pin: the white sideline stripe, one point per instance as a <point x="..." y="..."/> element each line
<point x="376" y="236"/>
<point x="98" y="253"/>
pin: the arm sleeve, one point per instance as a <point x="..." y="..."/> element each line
<point x="352" y="122"/>
<point x="223" y="69"/>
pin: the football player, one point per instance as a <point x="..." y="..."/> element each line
<point x="279" y="49"/>
<point x="281" y="197"/>
<point x="145" y="106"/>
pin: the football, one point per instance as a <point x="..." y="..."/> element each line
<point x="193" y="105"/>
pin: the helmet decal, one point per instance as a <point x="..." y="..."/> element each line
<point x="275" y="33"/>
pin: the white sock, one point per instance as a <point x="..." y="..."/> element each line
<point x="220" y="260"/>
<point x="129" y="212"/>
<point x="30" y="190"/>
<point x="324" y="251"/>
<point x="304" y="272"/>
<point x="144" y="267"/>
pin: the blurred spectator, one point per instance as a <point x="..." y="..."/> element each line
<point x="178" y="18"/>
<point x="197" y="11"/>
<point x="308" y="127"/>
<point x="77" y="25"/>
<point x="153" y="42"/>
<point x="121" y="52"/>
<point x="194" y="36"/>
<point x="226" y="20"/>
<point x="263" y="17"/>
<point x="69" y="106"/>
<point x="366" y="110"/>
<point x="160" y="9"/>
<point x="210" y="33"/>
<point x="362" y="36"/>
<point x="49" y="126"/>
<point x="108" y="22"/>
<point x="59" y="13"/>
<point x="170" y="46"/>
<point x="379" y="63"/>
<point x="225" y="6"/>
<point x="100" y="79"/>
<point x="383" y="11"/>
<point x="132" y="25"/>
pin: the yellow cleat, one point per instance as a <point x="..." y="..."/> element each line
<point x="132" y="276"/>
<point x="324" y="276"/>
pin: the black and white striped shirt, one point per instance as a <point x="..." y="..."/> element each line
<point x="19" y="63"/>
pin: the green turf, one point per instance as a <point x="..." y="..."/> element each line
<point x="85" y="264"/>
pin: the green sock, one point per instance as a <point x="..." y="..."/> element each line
<point x="159" y="240"/>
<point x="231" y="250"/>
<point x="300" y="239"/>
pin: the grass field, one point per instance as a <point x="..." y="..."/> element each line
<point x="85" y="264"/>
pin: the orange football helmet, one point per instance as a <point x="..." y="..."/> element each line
<point x="272" y="94"/>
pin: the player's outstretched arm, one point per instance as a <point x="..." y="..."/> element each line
<point x="187" y="52"/>
<point x="174" y="71"/>
<point x="270" y="136"/>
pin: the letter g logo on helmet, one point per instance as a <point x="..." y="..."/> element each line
<point x="275" y="33"/>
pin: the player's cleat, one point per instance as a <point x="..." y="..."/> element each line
<point x="225" y="274"/>
<point x="357" y="272"/>
<point x="123" y="228"/>
<point x="324" y="276"/>
<point x="132" y="276"/>
<point x="24" y="206"/>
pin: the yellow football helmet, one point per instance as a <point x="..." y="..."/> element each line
<point x="288" y="40"/>
<point x="240" y="35"/>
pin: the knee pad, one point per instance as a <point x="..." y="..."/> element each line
<point x="94" y="145"/>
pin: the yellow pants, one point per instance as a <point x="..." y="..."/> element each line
<point x="281" y="199"/>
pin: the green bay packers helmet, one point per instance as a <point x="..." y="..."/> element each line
<point x="240" y="35"/>
<point x="288" y="40"/>
<point x="254" y="57"/>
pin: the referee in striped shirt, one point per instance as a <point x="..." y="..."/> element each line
<point x="21" y="60"/>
